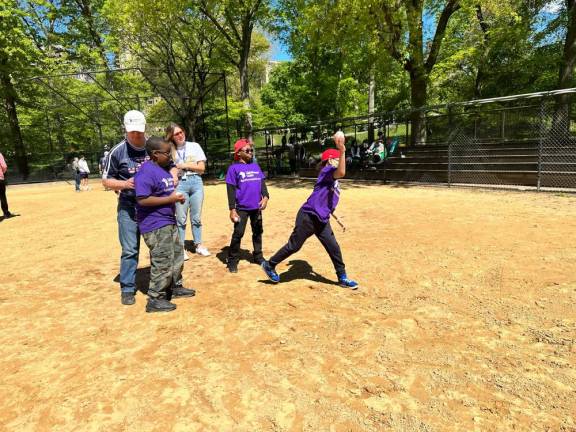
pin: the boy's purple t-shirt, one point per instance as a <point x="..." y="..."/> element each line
<point x="325" y="196"/>
<point x="248" y="181"/>
<point x="153" y="180"/>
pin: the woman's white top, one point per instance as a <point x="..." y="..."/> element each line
<point x="189" y="152"/>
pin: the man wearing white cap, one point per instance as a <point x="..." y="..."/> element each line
<point x="120" y="166"/>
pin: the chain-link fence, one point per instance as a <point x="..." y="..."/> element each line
<point x="517" y="141"/>
<point x="525" y="140"/>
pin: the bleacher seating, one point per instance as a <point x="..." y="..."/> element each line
<point x="492" y="163"/>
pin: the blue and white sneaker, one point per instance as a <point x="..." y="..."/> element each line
<point x="344" y="282"/>
<point x="270" y="272"/>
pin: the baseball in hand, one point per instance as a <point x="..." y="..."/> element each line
<point x="339" y="139"/>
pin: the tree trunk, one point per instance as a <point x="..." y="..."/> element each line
<point x="85" y="7"/>
<point x="371" y="91"/>
<point x="418" y="98"/>
<point x="244" y="82"/>
<point x="9" y="97"/>
<point x="190" y="125"/>
<point x="569" y="54"/>
<point x="480" y="73"/>
<point x="561" y="120"/>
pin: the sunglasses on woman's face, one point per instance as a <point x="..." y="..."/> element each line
<point x="178" y="133"/>
<point x="247" y="150"/>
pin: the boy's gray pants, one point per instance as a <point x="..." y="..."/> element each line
<point x="166" y="260"/>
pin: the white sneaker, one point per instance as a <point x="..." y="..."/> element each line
<point x="186" y="257"/>
<point x="202" y="251"/>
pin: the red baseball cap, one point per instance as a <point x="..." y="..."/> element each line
<point x="241" y="143"/>
<point x="330" y="154"/>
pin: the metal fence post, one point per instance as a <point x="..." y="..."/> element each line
<point x="449" y="163"/>
<point x="540" y="142"/>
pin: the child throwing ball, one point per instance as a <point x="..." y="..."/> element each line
<point x="313" y="218"/>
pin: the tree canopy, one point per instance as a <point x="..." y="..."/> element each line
<point x="349" y="58"/>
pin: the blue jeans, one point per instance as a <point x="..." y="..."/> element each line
<point x="77" y="180"/>
<point x="129" y="236"/>
<point x="193" y="189"/>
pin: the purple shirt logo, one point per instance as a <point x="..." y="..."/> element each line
<point x="247" y="178"/>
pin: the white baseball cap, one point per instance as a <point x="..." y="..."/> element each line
<point x="134" y="121"/>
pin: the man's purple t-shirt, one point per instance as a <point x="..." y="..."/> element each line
<point x="153" y="180"/>
<point x="325" y="196"/>
<point x="248" y="181"/>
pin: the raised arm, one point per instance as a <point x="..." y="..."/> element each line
<point x="339" y="140"/>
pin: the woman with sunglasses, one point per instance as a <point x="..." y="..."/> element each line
<point x="191" y="163"/>
<point x="247" y="197"/>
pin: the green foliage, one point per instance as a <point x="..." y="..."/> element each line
<point x="489" y="48"/>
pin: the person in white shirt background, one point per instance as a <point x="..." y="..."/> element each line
<point x="191" y="163"/>
<point x="84" y="171"/>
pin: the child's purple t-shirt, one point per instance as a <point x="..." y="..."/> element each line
<point x="325" y="196"/>
<point x="153" y="180"/>
<point x="248" y="181"/>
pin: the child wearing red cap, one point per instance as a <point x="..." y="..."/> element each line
<point x="247" y="197"/>
<point x="314" y="216"/>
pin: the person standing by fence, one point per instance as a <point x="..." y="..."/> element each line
<point x="84" y="172"/>
<point x="3" y="199"/>
<point x="76" y="174"/>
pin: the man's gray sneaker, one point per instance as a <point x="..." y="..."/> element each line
<point x="128" y="298"/>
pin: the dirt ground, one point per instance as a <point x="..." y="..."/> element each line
<point x="464" y="320"/>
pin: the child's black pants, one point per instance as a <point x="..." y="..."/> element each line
<point x="255" y="217"/>
<point x="3" y="199"/>
<point x="306" y="225"/>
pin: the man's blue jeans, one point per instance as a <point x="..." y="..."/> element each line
<point x="77" y="180"/>
<point x="129" y="236"/>
<point x="193" y="189"/>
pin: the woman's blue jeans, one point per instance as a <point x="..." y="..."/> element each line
<point x="193" y="189"/>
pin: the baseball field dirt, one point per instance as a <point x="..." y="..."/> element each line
<point x="465" y="318"/>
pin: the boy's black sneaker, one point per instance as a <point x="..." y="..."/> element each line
<point x="183" y="292"/>
<point x="128" y="298"/>
<point x="232" y="267"/>
<point x="159" y="305"/>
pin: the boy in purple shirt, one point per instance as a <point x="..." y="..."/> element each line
<point x="155" y="214"/>
<point x="314" y="216"/>
<point x="247" y="197"/>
